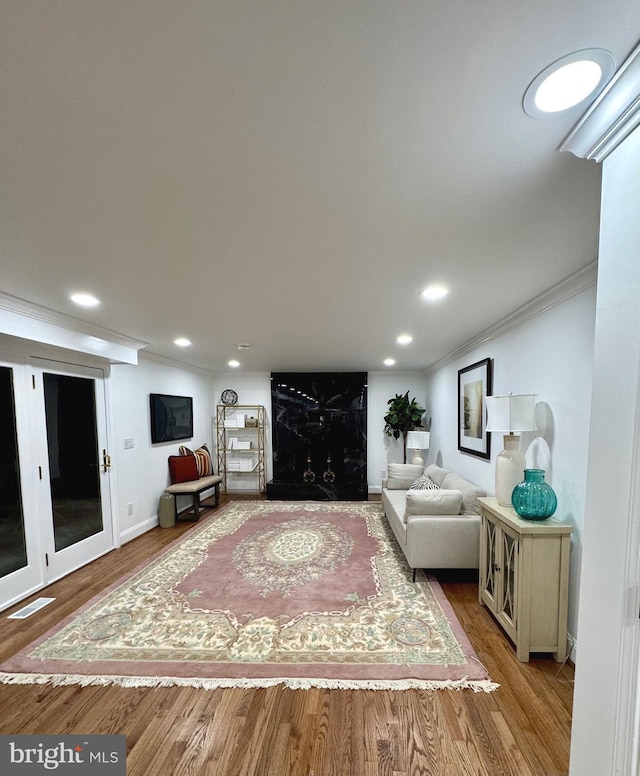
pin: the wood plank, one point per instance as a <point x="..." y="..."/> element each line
<point x="522" y="729"/>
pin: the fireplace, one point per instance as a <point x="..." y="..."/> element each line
<point x="319" y="436"/>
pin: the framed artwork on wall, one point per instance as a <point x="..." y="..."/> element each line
<point x="474" y="385"/>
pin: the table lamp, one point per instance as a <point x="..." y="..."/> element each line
<point x="509" y="414"/>
<point x="417" y="441"/>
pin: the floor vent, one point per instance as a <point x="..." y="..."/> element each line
<point x="30" y="609"/>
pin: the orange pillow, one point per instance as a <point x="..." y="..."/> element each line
<point x="183" y="468"/>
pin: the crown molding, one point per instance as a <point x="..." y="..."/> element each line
<point x="612" y="116"/>
<point x="575" y="284"/>
<point x="147" y="355"/>
<point x="30" y="321"/>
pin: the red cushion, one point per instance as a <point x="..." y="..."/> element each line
<point x="183" y="468"/>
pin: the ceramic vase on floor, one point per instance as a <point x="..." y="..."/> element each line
<point x="534" y="499"/>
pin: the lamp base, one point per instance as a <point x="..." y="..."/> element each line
<point x="510" y="465"/>
<point x="417" y="459"/>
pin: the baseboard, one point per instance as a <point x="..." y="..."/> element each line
<point x="573" y="648"/>
<point x="139" y="529"/>
<point x="375" y="489"/>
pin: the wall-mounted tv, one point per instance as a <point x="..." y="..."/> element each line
<point x="171" y="417"/>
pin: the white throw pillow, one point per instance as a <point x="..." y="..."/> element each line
<point x="437" y="473"/>
<point x="434" y="502"/>
<point x="470" y="492"/>
<point x="401" y="475"/>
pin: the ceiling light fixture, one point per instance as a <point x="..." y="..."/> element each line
<point x="85" y="300"/>
<point x="404" y="339"/>
<point x="434" y="293"/>
<point x="233" y="363"/>
<point x="182" y="342"/>
<point x="389" y="361"/>
<point x="570" y="81"/>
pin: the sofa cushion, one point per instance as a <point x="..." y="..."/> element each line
<point x="436" y="473"/>
<point x="424" y="483"/>
<point x="401" y="475"/>
<point x="470" y="492"/>
<point x="202" y="455"/>
<point x="182" y="468"/>
<point x="434" y="502"/>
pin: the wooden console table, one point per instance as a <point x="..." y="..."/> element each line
<point x="524" y="578"/>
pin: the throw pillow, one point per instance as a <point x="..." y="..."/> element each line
<point x="434" y="502"/>
<point x="424" y="483"/>
<point x="437" y="473"/>
<point x="182" y="468"/>
<point x="401" y="475"/>
<point x="203" y="458"/>
<point x="470" y="493"/>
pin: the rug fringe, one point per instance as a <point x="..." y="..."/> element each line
<point x="62" y="680"/>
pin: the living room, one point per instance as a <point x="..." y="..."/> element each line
<point x="548" y="350"/>
<point x="561" y="324"/>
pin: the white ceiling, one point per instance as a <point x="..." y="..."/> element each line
<point x="290" y="173"/>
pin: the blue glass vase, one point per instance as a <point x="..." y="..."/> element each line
<point x="534" y="499"/>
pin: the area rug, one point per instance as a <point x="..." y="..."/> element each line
<point x="314" y="594"/>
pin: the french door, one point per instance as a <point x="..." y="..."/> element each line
<point x="21" y="570"/>
<point x="55" y="495"/>
<point x="74" y="466"/>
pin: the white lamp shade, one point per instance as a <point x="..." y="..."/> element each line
<point x="511" y="413"/>
<point x="418" y="440"/>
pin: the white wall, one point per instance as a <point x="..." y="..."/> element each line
<point x="142" y="473"/>
<point x="382" y="449"/>
<point x="255" y="388"/>
<point x="252" y="388"/>
<point x="552" y="356"/>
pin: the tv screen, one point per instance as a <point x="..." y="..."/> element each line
<point x="171" y="417"/>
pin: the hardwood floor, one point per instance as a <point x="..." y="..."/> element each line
<point x="522" y="729"/>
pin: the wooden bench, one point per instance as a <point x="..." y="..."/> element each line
<point x="194" y="488"/>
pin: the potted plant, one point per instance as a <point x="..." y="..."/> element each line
<point x="404" y="415"/>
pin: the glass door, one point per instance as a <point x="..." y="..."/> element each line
<point x="20" y="564"/>
<point x="75" y="501"/>
<point x="13" y="543"/>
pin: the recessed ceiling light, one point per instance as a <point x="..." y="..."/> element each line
<point x="434" y="293"/>
<point x="182" y="342"/>
<point x="404" y="339"/>
<point x="233" y="363"/>
<point x="85" y="300"/>
<point x="389" y="361"/>
<point x="568" y="82"/>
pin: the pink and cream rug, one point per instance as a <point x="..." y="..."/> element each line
<point x="304" y="594"/>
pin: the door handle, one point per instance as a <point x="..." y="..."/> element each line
<point x="106" y="461"/>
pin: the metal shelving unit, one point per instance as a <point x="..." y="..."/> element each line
<point x="240" y="434"/>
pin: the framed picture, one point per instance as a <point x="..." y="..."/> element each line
<point x="474" y="385"/>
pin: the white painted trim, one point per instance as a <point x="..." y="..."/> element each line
<point x="612" y="117"/>
<point x="627" y="717"/>
<point x="149" y="356"/>
<point x="573" y="649"/>
<point x="138" y="530"/>
<point x="569" y="287"/>
<point x="24" y="594"/>
<point x="28" y="321"/>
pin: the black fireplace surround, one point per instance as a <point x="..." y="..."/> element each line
<point x="319" y="436"/>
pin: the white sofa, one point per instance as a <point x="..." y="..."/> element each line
<point x="436" y="529"/>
